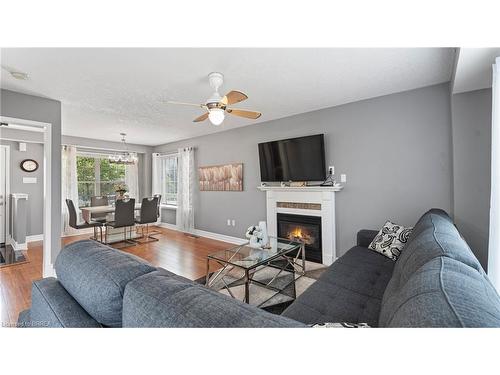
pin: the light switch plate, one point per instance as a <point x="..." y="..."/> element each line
<point x="343" y="178"/>
<point x="29" y="180"/>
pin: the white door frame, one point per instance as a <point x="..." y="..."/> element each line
<point x="48" y="246"/>
<point x="7" y="193"/>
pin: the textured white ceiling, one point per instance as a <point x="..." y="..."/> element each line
<point x="473" y="71"/>
<point x="108" y="91"/>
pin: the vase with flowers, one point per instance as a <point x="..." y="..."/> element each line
<point x="120" y="190"/>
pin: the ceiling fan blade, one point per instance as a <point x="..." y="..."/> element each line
<point x="244" y="113"/>
<point x="203" y="117"/>
<point x="183" y="103"/>
<point x="233" y="97"/>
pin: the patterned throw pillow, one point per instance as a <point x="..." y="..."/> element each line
<point x="390" y="240"/>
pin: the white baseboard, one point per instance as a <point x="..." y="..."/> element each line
<point x="212" y="235"/>
<point x="19" y="246"/>
<point x="34" y="237"/>
<point x="79" y="232"/>
<point x="220" y="237"/>
<point x="167" y="225"/>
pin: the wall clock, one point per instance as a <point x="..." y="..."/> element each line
<point x="29" y="165"/>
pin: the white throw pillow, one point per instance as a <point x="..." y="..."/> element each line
<point x="390" y="240"/>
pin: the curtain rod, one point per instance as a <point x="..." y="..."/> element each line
<point x="167" y="153"/>
<point x="103" y="149"/>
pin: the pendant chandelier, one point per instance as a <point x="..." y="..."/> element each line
<point x="124" y="157"/>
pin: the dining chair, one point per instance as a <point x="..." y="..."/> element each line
<point x="99" y="201"/>
<point x="124" y="218"/>
<point x="159" y="203"/>
<point x="73" y="220"/>
<point x="148" y="215"/>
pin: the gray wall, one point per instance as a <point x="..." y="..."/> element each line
<point x="471" y="124"/>
<point x="395" y="150"/>
<point x="33" y="151"/>
<point x="29" y="107"/>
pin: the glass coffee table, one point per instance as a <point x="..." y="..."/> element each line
<point x="278" y="266"/>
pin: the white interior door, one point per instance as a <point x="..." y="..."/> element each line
<point x="3" y="193"/>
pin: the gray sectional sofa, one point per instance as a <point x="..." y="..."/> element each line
<point x="436" y="282"/>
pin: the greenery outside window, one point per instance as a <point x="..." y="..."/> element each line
<point x="168" y="179"/>
<point x="97" y="177"/>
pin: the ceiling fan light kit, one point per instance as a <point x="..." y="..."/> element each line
<point x="216" y="105"/>
<point x="216" y="116"/>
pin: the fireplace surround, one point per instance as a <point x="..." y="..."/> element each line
<point x="316" y="201"/>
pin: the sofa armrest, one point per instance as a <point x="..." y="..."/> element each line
<point x="365" y="237"/>
<point x="155" y="300"/>
<point x="53" y="306"/>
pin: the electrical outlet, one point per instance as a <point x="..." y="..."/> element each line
<point x="233" y="222"/>
<point x="228" y="222"/>
<point x="331" y="170"/>
<point x="343" y="178"/>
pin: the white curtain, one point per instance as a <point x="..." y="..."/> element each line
<point x="156" y="178"/>
<point x="69" y="185"/>
<point x="494" y="241"/>
<point x="132" y="181"/>
<point x="185" y="186"/>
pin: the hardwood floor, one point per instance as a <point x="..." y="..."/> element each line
<point x="176" y="252"/>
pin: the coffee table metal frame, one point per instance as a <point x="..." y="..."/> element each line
<point x="250" y="271"/>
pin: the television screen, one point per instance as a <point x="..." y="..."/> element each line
<point x="294" y="159"/>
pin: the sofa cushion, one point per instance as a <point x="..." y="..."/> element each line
<point x="52" y="306"/>
<point x="350" y="290"/>
<point x="443" y="293"/>
<point x="160" y="300"/>
<point x="433" y="237"/>
<point x="96" y="276"/>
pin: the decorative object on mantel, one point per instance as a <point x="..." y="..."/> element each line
<point x="29" y="165"/>
<point x="228" y="177"/>
<point x="120" y="190"/>
<point x="257" y="235"/>
<point x="298" y="183"/>
<point x="124" y="157"/>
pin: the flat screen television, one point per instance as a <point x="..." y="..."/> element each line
<point x="294" y="159"/>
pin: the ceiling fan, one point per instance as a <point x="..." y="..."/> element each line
<point x="217" y="105"/>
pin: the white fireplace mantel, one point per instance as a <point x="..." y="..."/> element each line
<point x="322" y="203"/>
<point x="302" y="188"/>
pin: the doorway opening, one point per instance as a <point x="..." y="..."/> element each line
<point x="25" y="187"/>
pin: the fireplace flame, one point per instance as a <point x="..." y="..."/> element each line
<point x="301" y="234"/>
<point x="297" y="233"/>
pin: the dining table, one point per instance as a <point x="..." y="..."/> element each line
<point x="87" y="212"/>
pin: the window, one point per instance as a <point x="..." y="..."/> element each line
<point x="97" y="177"/>
<point x="168" y="179"/>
